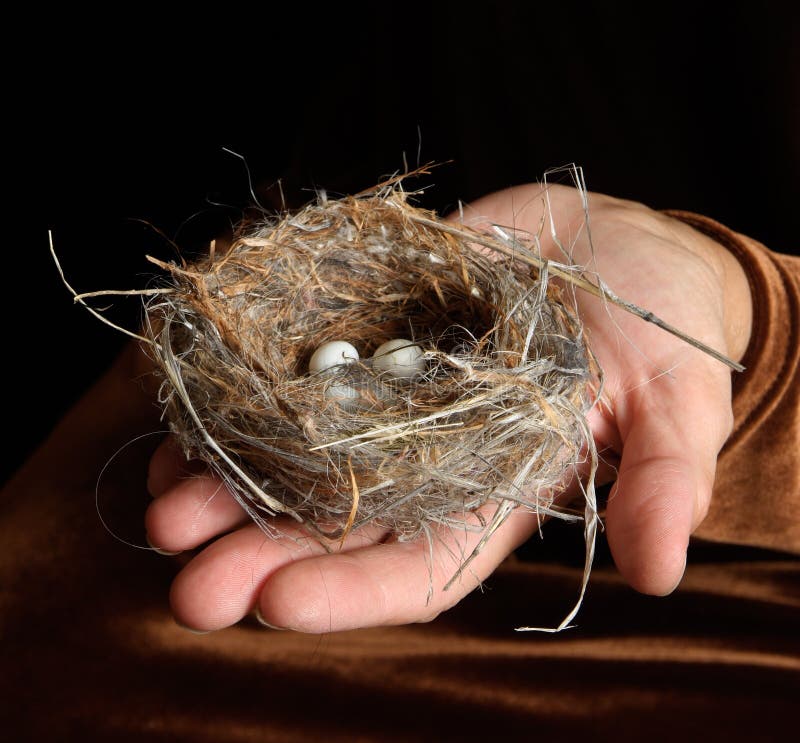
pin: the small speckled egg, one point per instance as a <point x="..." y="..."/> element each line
<point x="399" y="358"/>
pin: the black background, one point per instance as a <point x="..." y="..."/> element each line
<point x="118" y="123"/>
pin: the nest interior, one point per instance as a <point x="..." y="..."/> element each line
<point x="497" y="414"/>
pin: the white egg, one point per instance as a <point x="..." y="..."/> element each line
<point x="399" y="358"/>
<point x="333" y="353"/>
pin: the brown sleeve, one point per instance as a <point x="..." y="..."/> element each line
<point x="757" y="491"/>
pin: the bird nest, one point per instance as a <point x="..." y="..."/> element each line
<point x="495" y="411"/>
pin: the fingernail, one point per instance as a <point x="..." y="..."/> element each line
<point x="264" y="622"/>
<point x="159" y="550"/>
<point x="192" y="630"/>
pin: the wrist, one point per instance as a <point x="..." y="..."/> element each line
<point x="737" y="299"/>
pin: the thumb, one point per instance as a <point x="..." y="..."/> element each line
<point x="672" y="430"/>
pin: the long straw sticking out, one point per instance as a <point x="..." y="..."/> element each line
<point x="80" y="297"/>
<point x="515" y="249"/>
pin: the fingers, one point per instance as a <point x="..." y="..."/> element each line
<point x="192" y="512"/>
<point x="364" y="584"/>
<point x="673" y="429"/>
<point x="191" y="506"/>
<point x="385" y="584"/>
<point x="221" y="585"/>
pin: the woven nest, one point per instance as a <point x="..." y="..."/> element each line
<point x="496" y="413"/>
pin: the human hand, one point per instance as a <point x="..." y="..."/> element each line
<point x="667" y="413"/>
